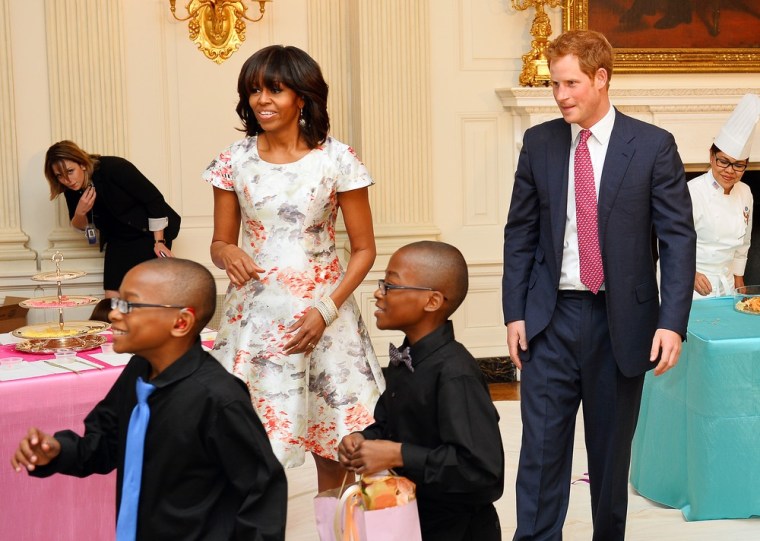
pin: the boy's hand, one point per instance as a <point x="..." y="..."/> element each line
<point x="348" y="447"/>
<point x="375" y="455"/>
<point x="36" y="449"/>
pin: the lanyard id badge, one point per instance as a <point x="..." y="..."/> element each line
<point x="91" y="234"/>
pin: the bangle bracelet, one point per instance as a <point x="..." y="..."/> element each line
<point x="160" y="241"/>
<point x="327" y="309"/>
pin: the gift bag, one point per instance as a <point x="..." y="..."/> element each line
<point x="325" y="508"/>
<point x="378" y="508"/>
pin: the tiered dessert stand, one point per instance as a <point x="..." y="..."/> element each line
<point x="52" y="336"/>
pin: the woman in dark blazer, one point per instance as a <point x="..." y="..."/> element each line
<point x="110" y="194"/>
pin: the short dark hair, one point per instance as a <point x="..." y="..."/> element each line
<point x="445" y="270"/>
<point x="188" y="284"/>
<point x="278" y="64"/>
<point x="591" y="47"/>
<point x="67" y="150"/>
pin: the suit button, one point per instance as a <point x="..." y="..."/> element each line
<point x="393" y="394"/>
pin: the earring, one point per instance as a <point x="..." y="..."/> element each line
<point x="302" y="120"/>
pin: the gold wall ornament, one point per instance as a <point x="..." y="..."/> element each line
<point x="217" y="27"/>
<point x="535" y="70"/>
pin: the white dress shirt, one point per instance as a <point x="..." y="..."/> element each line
<point x="570" y="275"/>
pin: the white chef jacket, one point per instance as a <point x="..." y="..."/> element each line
<point x="724" y="228"/>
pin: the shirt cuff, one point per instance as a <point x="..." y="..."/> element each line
<point x="414" y="457"/>
<point x="157" y="224"/>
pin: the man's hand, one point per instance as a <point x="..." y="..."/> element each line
<point x="516" y="341"/>
<point x="667" y="346"/>
<point x="36" y="449"/>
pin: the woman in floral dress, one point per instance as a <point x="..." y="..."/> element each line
<point x="291" y="329"/>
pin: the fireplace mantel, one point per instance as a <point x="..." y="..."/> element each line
<point x="693" y="116"/>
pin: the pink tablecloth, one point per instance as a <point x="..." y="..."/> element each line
<point x="59" y="508"/>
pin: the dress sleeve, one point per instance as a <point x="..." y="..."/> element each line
<point x="244" y="452"/>
<point x="220" y="173"/>
<point x="470" y="457"/>
<point x="352" y="173"/>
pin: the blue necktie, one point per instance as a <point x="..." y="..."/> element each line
<point x="400" y="356"/>
<point x="126" y="524"/>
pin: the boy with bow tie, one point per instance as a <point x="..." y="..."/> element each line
<point x="435" y="423"/>
<point x="193" y="459"/>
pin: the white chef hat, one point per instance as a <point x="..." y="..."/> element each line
<point x="735" y="137"/>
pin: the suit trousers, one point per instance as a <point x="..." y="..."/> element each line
<point x="571" y="363"/>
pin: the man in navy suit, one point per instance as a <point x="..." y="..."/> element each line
<point x="575" y="342"/>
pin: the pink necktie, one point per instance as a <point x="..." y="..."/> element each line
<point x="592" y="272"/>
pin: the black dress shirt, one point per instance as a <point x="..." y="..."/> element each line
<point x="443" y="415"/>
<point x="208" y="471"/>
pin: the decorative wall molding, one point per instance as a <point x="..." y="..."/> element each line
<point x="15" y="256"/>
<point x="480" y="169"/>
<point x="329" y="45"/>
<point x="693" y="115"/>
<point x="394" y="139"/>
<point x="87" y="94"/>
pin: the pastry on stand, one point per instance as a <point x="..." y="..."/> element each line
<point x="52" y="336"/>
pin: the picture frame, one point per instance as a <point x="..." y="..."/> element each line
<point x="700" y="46"/>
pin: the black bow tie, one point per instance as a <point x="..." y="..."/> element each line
<point x="400" y="356"/>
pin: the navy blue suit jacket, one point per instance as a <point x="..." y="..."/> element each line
<point x="642" y="192"/>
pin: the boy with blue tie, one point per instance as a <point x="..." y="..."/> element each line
<point x="435" y="423"/>
<point x="192" y="457"/>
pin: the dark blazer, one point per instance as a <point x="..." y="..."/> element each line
<point x="643" y="192"/>
<point x="128" y="197"/>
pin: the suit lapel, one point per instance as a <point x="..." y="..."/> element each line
<point x="558" y="158"/>
<point x="620" y="151"/>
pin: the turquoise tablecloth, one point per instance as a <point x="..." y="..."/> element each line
<point x="697" y="444"/>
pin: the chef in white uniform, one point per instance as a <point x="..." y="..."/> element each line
<point x="723" y="206"/>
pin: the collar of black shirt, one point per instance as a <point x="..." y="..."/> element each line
<point x="430" y="343"/>
<point x="180" y="369"/>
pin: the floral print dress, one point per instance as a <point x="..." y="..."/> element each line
<point x="307" y="402"/>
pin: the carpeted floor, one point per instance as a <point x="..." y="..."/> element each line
<point x="646" y="520"/>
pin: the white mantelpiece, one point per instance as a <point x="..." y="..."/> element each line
<point x="693" y="116"/>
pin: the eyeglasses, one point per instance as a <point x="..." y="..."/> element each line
<point x="385" y="287"/>
<point x="723" y="163"/>
<point x="126" y="307"/>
